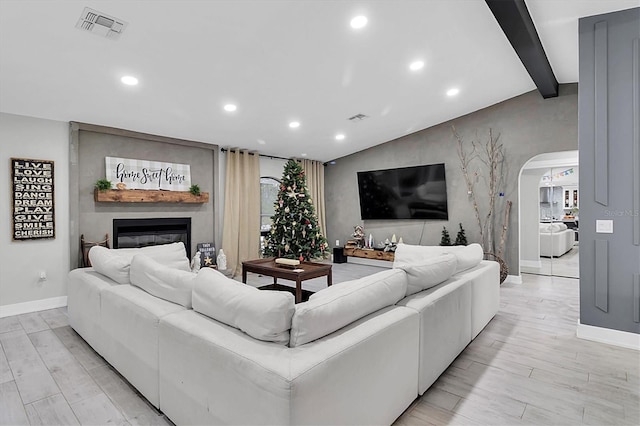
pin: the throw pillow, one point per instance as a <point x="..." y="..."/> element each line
<point x="262" y="314"/>
<point x="173" y="255"/>
<point x="162" y="281"/>
<point x="109" y="263"/>
<point x="428" y="273"/>
<point x="344" y="303"/>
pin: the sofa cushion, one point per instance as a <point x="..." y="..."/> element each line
<point x="466" y="256"/>
<point x="262" y="314"/>
<point x="110" y="264"/>
<point x="173" y="255"/>
<point x="162" y="281"/>
<point x="340" y="305"/>
<point x="114" y="263"/>
<point x="428" y="272"/>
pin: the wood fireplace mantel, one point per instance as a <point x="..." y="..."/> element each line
<point x="148" y="196"/>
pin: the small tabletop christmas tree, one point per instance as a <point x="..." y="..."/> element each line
<point x="446" y="238"/>
<point x="461" y="238"/>
<point x="294" y="230"/>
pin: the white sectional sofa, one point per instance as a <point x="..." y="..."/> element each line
<point x="205" y="349"/>
<point x="555" y="239"/>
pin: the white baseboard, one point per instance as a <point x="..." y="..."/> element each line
<point x="369" y="262"/>
<point x="531" y="264"/>
<point x="609" y="336"/>
<point x="33" y="306"/>
<point x="513" y="279"/>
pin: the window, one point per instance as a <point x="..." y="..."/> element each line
<point x="269" y="188"/>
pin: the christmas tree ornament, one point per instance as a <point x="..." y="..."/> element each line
<point x="287" y="210"/>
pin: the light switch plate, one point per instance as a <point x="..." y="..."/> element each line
<point x="604" y="226"/>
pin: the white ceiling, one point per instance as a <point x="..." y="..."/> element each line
<point x="278" y="61"/>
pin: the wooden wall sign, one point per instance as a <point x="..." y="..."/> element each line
<point x="32" y="199"/>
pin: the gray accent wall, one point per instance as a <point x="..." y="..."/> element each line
<point x="91" y="144"/>
<point x="529" y="125"/>
<point x="610" y="170"/>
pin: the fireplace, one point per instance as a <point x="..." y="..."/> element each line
<point x="150" y="232"/>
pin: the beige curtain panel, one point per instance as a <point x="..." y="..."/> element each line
<point x="314" y="171"/>
<point x="241" y="227"/>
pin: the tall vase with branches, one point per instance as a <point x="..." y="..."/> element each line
<point x="485" y="161"/>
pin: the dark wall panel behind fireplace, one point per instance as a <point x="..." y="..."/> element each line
<point x="94" y="220"/>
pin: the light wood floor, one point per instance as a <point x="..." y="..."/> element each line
<point x="526" y="367"/>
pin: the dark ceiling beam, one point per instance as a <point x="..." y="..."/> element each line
<point x="515" y="20"/>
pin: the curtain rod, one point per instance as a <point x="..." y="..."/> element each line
<point x="254" y="153"/>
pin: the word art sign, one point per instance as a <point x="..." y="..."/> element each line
<point x="33" y="214"/>
<point x="126" y="173"/>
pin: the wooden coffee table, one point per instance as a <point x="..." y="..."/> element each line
<point x="304" y="271"/>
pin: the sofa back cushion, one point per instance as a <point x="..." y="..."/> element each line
<point x="466" y="256"/>
<point x="426" y="273"/>
<point x="162" y="281"/>
<point x="262" y="314"/>
<point x="109" y="263"/>
<point x="552" y="227"/>
<point x="115" y="263"/>
<point x="173" y="255"/>
<point x="339" y="305"/>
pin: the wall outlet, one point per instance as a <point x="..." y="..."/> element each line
<point x="337" y="243"/>
<point x="604" y="226"/>
<point x="43" y="275"/>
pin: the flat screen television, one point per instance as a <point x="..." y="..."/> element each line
<point x="418" y="192"/>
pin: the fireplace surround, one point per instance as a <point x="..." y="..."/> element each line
<point x="152" y="231"/>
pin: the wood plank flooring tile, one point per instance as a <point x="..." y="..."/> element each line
<point x="124" y="396"/>
<point x="487" y="411"/>
<point x="72" y="379"/>
<point x="32" y="322"/>
<point x="441" y="398"/>
<point x="35" y="386"/>
<point x="80" y="349"/>
<point x="536" y="416"/>
<point x="31" y="375"/>
<point x="8" y="324"/>
<point x="5" y="370"/>
<point x="59" y="320"/>
<point x="33" y="416"/>
<point x="98" y="410"/>
<point x="11" y="409"/>
<point x="54" y="410"/>
<point x="427" y="414"/>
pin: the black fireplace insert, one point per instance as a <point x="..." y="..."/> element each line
<point x="150" y="232"/>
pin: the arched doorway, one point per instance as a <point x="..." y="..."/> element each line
<point x="549" y="214"/>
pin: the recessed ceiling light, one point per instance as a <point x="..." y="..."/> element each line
<point x="339" y="137"/>
<point x="129" y="80"/>
<point x="416" y="65"/>
<point x="294" y="124"/>
<point x="359" y="22"/>
<point x="452" y="92"/>
<point x="230" y="107"/>
<point x="261" y="142"/>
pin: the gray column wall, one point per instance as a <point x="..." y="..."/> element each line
<point x="528" y="124"/>
<point x="89" y="147"/>
<point x="610" y="170"/>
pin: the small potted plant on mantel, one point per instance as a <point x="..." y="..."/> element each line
<point x="103" y="185"/>
<point x="195" y="190"/>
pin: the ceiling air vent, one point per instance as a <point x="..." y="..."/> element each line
<point x="358" y="117"/>
<point x="101" y="24"/>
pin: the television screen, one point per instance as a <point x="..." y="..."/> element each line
<point x="418" y="192"/>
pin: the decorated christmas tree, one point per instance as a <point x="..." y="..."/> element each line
<point x="294" y="226"/>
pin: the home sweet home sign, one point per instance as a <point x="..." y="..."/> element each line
<point x="127" y="173"/>
<point x="32" y="199"/>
